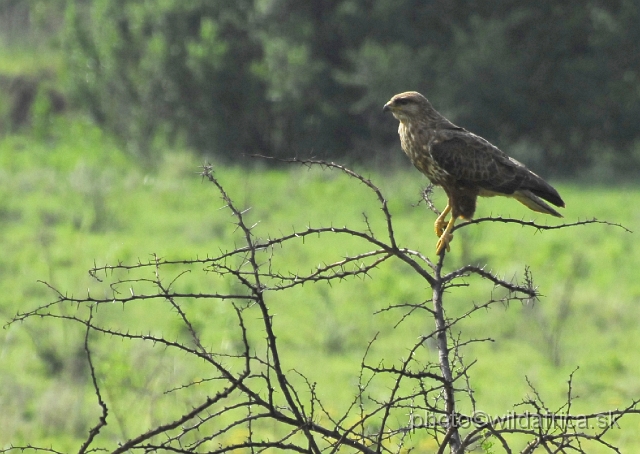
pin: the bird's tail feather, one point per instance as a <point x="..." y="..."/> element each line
<point x="535" y="203"/>
<point x="542" y="189"/>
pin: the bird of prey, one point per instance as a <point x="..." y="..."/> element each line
<point x="464" y="164"/>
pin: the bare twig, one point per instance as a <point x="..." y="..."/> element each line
<point x="249" y="388"/>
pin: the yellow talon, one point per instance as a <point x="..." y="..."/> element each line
<point x="446" y="236"/>
<point x="443" y="242"/>
<point x="440" y="223"/>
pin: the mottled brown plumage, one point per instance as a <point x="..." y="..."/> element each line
<point x="464" y="164"/>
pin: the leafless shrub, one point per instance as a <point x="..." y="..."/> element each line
<point x="252" y="403"/>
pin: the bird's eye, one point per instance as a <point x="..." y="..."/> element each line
<point x="402" y="101"/>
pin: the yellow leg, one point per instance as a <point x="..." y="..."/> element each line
<point x="446" y="237"/>
<point x="440" y="222"/>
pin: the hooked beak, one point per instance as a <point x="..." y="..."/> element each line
<point x="387" y="107"/>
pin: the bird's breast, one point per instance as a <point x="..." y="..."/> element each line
<point x="417" y="146"/>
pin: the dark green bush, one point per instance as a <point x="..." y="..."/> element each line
<point x="284" y="77"/>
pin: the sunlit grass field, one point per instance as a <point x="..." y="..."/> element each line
<point x="77" y="200"/>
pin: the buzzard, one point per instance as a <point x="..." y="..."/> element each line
<point x="465" y="165"/>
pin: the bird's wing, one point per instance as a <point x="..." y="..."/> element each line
<point x="475" y="162"/>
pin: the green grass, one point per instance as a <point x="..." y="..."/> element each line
<point x="17" y="61"/>
<point x="77" y="199"/>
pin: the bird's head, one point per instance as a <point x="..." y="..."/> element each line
<point x="408" y="105"/>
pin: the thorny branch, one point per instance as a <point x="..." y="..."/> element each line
<point x="253" y="399"/>
<point x="538" y="227"/>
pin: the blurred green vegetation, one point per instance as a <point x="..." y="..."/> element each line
<point x="556" y="84"/>
<point x="108" y="107"/>
<point x="79" y="199"/>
